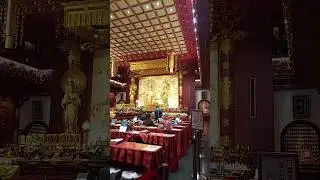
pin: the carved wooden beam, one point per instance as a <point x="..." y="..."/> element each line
<point x="286" y="6"/>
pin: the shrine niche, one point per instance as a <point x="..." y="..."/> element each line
<point x="302" y="138"/>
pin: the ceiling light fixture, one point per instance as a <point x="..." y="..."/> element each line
<point x="128" y="11"/>
<point x="171" y="9"/>
<point x="147" y="7"/>
<point x="158" y="4"/>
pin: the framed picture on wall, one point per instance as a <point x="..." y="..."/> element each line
<point x="37" y="110"/>
<point x="204" y="95"/>
<point x="301" y="107"/>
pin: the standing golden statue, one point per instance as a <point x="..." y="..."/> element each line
<point x="150" y="96"/>
<point x="70" y="103"/>
<point x="133" y="89"/>
<point x="73" y="83"/>
<point x="164" y="93"/>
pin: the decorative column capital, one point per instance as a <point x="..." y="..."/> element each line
<point x="214" y="45"/>
<point x="225" y="19"/>
<point x="226" y="45"/>
<point x="88" y="22"/>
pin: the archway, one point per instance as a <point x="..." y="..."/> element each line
<point x="204" y="106"/>
<point x="302" y="138"/>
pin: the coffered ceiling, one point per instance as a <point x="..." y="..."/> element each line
<point x="146" y="26"/>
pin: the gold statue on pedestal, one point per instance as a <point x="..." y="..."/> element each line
<point x="70" y="103"/>
<point x="73" y="84"/>
<point x="133" y="89"/>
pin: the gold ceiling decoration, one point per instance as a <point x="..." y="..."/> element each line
<point x="151" y="67"/>
<point x="144" y="26"/>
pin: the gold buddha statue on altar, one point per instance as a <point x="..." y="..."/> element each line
<point x="132" y="92"/>
<point x="164" y="94"/>
<point x="150" y="95"/>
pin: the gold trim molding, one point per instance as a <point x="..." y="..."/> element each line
<point x="150" y="67"/>
<point x="78" y="14"/>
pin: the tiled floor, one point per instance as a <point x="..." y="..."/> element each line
<point x="185" y="168"/>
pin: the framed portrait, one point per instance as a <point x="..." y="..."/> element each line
<point x="37" y="110"/>
<point x="204" y="95"/>
<point x="301" y="107"/>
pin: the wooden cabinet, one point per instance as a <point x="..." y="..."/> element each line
<point x="7" y="121"/>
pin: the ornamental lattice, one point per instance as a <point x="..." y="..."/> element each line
<point x="302" y="138"/>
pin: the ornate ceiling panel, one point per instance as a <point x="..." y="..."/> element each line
<point x="146" y="28"/>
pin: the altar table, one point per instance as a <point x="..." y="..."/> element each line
<point x="168" y="142"/>
<point x="149" y="156"/>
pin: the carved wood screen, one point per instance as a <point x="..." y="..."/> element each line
<point x="302" y="137"/>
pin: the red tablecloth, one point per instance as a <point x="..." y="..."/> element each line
<point x="178" y="132"/>
<point x="168" y="141"/>
<point x="183" y="134"/>
<point x="137" y="154"/>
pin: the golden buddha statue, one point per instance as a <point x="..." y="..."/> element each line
<point x="133" y="89"/>
<point x="150" y="96"/>
<point x="164" y="94"/>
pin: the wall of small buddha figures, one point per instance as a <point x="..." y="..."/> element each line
<point x="287" y="106"/>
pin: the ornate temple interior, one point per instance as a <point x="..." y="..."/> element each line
<point x="159" y="89"/>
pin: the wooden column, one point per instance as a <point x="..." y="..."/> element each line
<point x="100" y="103"/>
<point x="214" y="128"/>
<point x="180" y="76"/>
<point x="226" y="80"/>
<point x="10" y="24"/>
